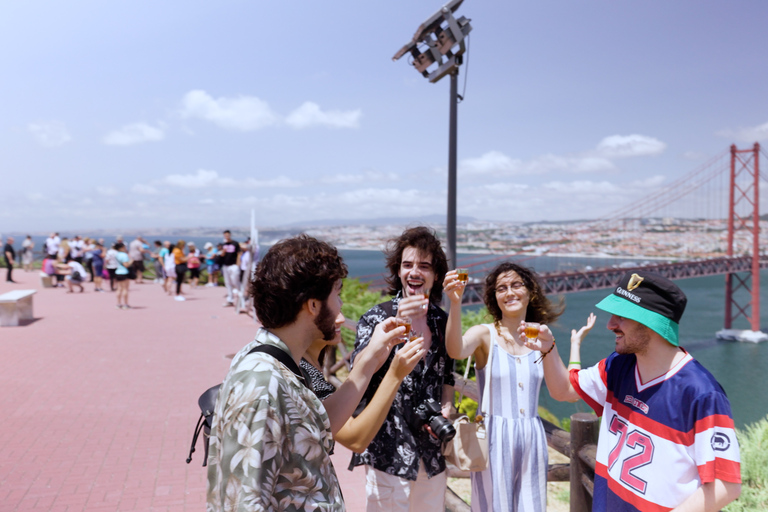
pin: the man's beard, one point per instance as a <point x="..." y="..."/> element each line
<point x="326" y="322"/>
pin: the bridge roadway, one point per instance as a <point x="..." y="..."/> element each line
<point x="579" y="281"/>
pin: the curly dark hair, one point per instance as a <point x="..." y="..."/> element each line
<point x="540" y="308"/>
<point x="426" y="242"/>
<point x="292" y="272"/>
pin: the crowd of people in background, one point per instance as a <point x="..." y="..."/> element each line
<point x="72" y="262"/>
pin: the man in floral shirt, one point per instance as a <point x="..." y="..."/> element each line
<point x="270" y="435"/>
<point x="405" y="468"/>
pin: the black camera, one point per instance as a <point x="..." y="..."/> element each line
<point x="429" y="413"/>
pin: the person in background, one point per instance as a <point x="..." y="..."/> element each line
<point x="10" y="259"/>
<point x="210" y="263"/>
<point x="97" y="256"/>
<point x="169" y="267"/>
<point x="121" y="275"/>
<point x="158" y="256"/>
<point x="110" y="261"/>
<point x="667" y="438"/>
<point x="76" y="249"/>
<point x="88" y="245"/>
<point x="64" y="254"/>
<point x="75" y="276"/>
<point x="180" y="262"/>
<point x="52" y="245"/>
<point x="136" y="253"/>
<point x="27" y="253"/>
<point x="193" y="264"/>
<point x="245" y="274"/>
<point x="230" y="259"/>
<point x="404" y="464"/>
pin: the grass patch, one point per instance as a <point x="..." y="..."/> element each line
<point x="753" y="444"/>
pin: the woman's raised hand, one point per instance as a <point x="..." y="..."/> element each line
<point x="453" y="287"/>
<point x="578" y="336"/>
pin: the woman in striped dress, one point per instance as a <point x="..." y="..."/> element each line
<point x="516" y="477"/>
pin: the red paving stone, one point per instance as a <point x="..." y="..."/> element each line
<point x="99" y="404"/>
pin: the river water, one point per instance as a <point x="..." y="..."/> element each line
<point x="739" y="367"/>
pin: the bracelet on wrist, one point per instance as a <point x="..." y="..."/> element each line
<point x="544" y="354"/>
<point x="574" y="362"/>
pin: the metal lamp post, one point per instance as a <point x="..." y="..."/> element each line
<point x="437" y="49"/>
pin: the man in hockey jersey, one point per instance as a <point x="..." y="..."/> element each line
<point x="667" y="438"/>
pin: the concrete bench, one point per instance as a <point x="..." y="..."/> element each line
<point x="46" y="281"/>
<point x="16" y="306"/>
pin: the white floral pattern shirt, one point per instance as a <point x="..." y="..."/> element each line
<point x="270" y="440"/>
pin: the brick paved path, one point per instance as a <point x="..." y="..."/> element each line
<point x="99" y="404"/>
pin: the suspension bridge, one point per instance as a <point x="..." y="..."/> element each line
<point x="705" y="223"/>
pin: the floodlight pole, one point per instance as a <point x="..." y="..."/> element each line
<point x="452" y="129"/>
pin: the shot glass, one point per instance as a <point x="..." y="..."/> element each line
<point x="462" y="274"/>
<point x="405" y="322"/>
<point x="532" y="330"/>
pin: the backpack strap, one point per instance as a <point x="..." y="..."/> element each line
<point x="287" y="360"/>
<point x="207" y="400"/>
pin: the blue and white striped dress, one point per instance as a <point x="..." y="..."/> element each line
<point x="516" y="477"/>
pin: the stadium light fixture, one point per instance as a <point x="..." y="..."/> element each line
<point x="437" y="49"/>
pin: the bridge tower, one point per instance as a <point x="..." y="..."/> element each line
<point x="744" y="215"/>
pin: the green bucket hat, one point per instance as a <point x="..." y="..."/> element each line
<point x="649" y="299"/>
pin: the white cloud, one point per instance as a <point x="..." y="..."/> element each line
<point x="619" y="146"/>
<point x="749" y="134"/>
<point x="50" y="133"/>
<point x="582" y="187"/>
<point x="362" y="177"/>
<point x="280" y="181"/>
<point x="135" y="133"/>
<point x="498" y="164"/>
<point x="243" y="113"/>
<point x="492" y="162"/>
<point x="652" y="182"/>
<point x="106" y="190"/>
<point x="309" y="114"/>
<point x="144" y="189"/>
<point x="202" y="178"/>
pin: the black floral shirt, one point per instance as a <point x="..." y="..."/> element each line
<point x="398" y="446"/>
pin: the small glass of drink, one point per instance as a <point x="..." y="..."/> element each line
<point x="414" y="335"/>
<point x="531" y="330"/>
<point x="462" y="274"/>
<point x="425" y="293"/>
<point x="405" y="322"/>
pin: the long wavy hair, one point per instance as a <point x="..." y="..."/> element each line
<point x="540" y="308"/>
<point x="426" y="242"/>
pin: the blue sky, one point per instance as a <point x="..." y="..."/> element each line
<point x="179" y="114"/>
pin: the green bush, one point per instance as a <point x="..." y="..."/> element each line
<point x="357" y="300"/>
<point x="753" y="445"/>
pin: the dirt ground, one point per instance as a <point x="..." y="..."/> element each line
<point x="558" y="493"/>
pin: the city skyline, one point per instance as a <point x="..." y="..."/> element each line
<point x="140" y="115"/>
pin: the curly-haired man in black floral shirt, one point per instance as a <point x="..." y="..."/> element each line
<point x="405" y="468"/>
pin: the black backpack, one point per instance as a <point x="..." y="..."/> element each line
<point x="207" y="400"/>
